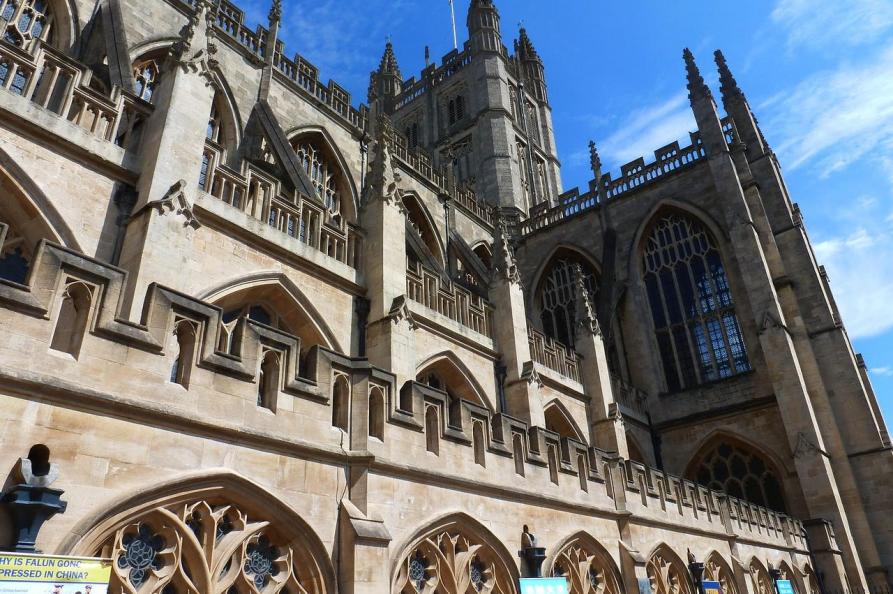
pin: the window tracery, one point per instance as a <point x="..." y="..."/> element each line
<point x="324" y="174"/>
<point x="716" y="570"/>
<point x="558" y="297"/>
<point x="760" y="579"/>
<point x="449" y="562"/>
<point x="23" y="21"/>
<point x="146" y="77"/>
<point x="667" y="575"/>
<point x="206" y="546"/>
<point x="698" y="334"/>
<point x="742" y="473"/>
<point x="587" y="570"/>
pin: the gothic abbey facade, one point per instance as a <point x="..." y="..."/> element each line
<point x="269" y="342"/>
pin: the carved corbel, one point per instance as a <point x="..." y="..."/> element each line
<point x="400" y="312"/>
<point x="175" y="200"/>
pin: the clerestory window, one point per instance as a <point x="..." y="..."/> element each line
<point x="324" y="174"/>
<point x="741" y="473"/>
<point x="698" y="334"/>
<point x="22" y="21"/>
<point x="558" y="296"/>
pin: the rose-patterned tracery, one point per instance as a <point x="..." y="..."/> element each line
<point x="449" y="562"/>
<point x="205" y="547"/>
<point x="588" y="570"/>
<point x="667" y="574"/>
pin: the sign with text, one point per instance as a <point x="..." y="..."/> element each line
<point x="711" y="587"/>
<point x="544" y="586"/>
<point x="47" y="574"/>
<point x="784" y="586"/>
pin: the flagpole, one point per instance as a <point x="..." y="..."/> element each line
<point x="453" y="15"/>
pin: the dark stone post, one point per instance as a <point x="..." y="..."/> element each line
<point x="696" y="570"/>
<point x="32" y="502"/>
<point x="532" y="555"/>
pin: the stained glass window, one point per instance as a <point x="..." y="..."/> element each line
<point x="324" y="174"/>
<point x="699" y="338"/>
<point x="558" y="297"/>
<point x="742" y="473"/>
<point x="24" y="20"/>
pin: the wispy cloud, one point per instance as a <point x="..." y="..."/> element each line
<point x="860" y="267"/>
<point x="835" y="118"/>
<point x="647" y="129"/>
<point x="883" y="371"/>
<point x="823" y="23"/>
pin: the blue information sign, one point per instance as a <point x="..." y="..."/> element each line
<point x="784" y="586"/>
<point x="712" y="587"/>
<point x="544" y="586"/>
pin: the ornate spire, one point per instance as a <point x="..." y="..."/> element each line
<point x="276" y="12"/>
<point x="504" y="262"/>
<point x="586" y="317"/>
<point x="388" y="63"/>
<point x="728" y="84"/>
<point x="524" y="47"/>
<point x="697" y="88"/>
<point x="595" y="161"/>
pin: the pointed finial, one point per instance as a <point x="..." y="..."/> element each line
<point x="525" y="49"/>
<point x="585" y="314"/>
<point x="427" y="56"/>
<point x="728" y="84"/>
<point x="697" y="88"/>
<point x="276" y="11"/>
<point x="595" y="160"/>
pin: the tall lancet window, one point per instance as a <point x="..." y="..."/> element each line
<point x="323" y="173"/>
<point x="22" y="21"/>
<point x="146" y="77"/>
<point x="697" y="330"/>
<point x="558" y="296"/>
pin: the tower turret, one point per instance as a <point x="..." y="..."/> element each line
<point x="483" y="26"/>
<point x="531" y="66"/>
<point x="386" y="82"/>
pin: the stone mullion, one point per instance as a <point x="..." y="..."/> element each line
<point x="701" y="319"/>
<point x="668" y="328"/>
<point x="684" y="323"/>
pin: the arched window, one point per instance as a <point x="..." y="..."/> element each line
<point x="667" y="573"/>
<point x="432" y="430"/>
<point x="71" y="322"/>
<point x="252" y="311"/>
<point x="698" y="334"/>
<point x="323" y="172"/>
<point x="557" y="296"/>
<point x="479" y="443"/>
<point x="376" y="413"/>
<point x="583" y="472"/>
<point x="146" y="77"/>
<point x="742" y="473"/>
<point x="518" y="453"/>
<point x="587" y="566"/>
<point x="23" y="21"/>
<point x="341" y="403"/>
<point x="455" y="557"/>
<point x="717" y="570"/>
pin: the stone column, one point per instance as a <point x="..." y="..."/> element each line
<point x="158" y="242"/>
<point x="390" y="342"/>
<point x="523" y="399"/>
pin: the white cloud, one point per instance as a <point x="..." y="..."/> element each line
<point x="835" y="118"/>
<point x="823" y="23"/>
<point x="860" y="267"/>
<point x="884" y="371"/>
<point x="647" y="129"/>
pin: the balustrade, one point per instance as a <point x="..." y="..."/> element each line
<point x="554" y="355"/>
<point x="54" y="82"/>
<point x="259" y="197"/>
<point x="434" y="292"/>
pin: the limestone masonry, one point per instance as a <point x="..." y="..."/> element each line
<point x="257" y="340"/>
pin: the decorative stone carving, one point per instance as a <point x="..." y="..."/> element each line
<point x="383" y="178"/>
<point x="667" y="576"/>
<point x="400" y="312"/>
<point x="206" y="546"/>
<point x="715" y="570"/>
<point x="504" y="263"/>
<point x="175" y="200"/>
<point x="588" y="571"/>
<point x="450" y="562"/>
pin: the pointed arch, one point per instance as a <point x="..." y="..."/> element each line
<point x="636" y="453"/>
<point x="225" y="122"/>
<point x="560" y="420"/>
<point x="294" y="310"/>
<point x="555" y="296"/>
<point x="716" y="569"/>
<point x="667" y="572"/>
<point x="207" y="521"/>
<point x="727" y="462"/>
<point x="484" y="251"/>
<point x="453" y="377"/>
<point x="586" y="564"/>
<point x="347" y="187"/>
<point x="681" y="263"/>
<point x="759" y="577"/>
<point x="421" y="220"/>
<point x="452" y="555"/>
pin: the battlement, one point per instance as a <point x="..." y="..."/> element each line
<point x="560" y="470"/>
<point x="302" y="75"/>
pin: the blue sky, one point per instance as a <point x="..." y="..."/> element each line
<point x="818" y="73"/>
